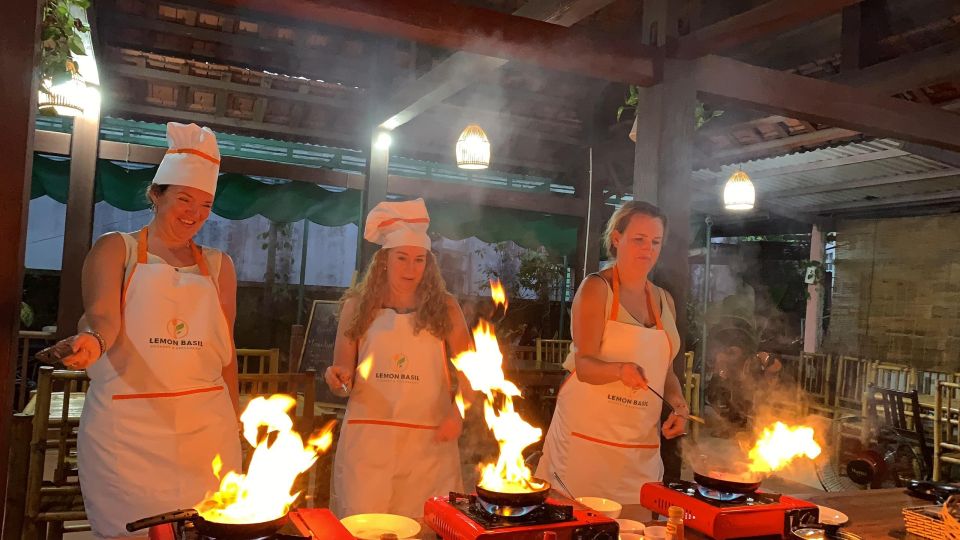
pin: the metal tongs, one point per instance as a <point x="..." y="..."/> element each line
<point x="693" y="417"/>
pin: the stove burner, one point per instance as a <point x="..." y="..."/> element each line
<point x="718" y="495"/>
<point x="506" y="511"/>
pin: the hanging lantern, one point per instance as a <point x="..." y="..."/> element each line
<point x="66" y="99"/>
<point x="739" y="194"/>
<point x="473" y="148"/>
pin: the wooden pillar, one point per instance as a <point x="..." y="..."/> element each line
<point x="665" y="138"/>
<point x="860" y="34"/>
<point x="19" y="59"/>
<point x="78" y="228"/>
<point x="811" y="329"/>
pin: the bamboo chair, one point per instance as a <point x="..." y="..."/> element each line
<point x="946" y="428"/>
<point x="893" y="376"/>
<point x="552" y="352"/>
<point x="852" y="377"/>
<point x="816" y="378"/>
<point x="258" y="361"/>
<point x="56" y="416"/>
<point x="26" y="340"/>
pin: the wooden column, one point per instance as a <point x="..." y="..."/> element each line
<point x="860" y="34"/>
<point x="19" y="59"/>
<point x="670" y="149"/>
<point x="811" y="329"/>
<point x="78" y="228"/>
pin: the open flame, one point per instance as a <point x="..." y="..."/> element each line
<point x="483" y="367"/>
<point x="497" y="293"/>
<point x="279" y="457"/>
<point x="780" y="444"/>
<point x="363" y="368"/>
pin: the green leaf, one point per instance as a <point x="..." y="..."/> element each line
<point x="60" y="76"/>
<point x="76" y="46"/>
<point x="620" y="110"/>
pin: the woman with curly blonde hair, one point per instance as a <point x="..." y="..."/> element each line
<point x="398" y="444"/>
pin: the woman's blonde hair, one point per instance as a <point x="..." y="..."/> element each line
<point x="621" y="219"/>
<point x="371" y="291"/>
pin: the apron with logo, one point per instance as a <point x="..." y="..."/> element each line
<point x="387" y="459"/>
<point x="604" y="440"/>
<point x="157" y="410"/>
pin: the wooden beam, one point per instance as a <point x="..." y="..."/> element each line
<point x="861" y="183"/>
<point x="937" y="197"/>
<point x="78" y="225"/>
<point x="927" y="67"/>
<point x="778" y="146"/>
<point x="449" y="25"/>
<point x="768" y="19"/>
<point x="461" y="69"/>
<point x="937" y="154"/>
<point x="825" y="102"/>
<point x="860" y="35"/>
<point x="19" y="61"/>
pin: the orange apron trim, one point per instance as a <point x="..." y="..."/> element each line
<point x="389" y="423"/>
<point x="153" y="395"/>
<point x="388" y="222"/>
<point x="204" y="155"/>
<point x="609" y="443"/>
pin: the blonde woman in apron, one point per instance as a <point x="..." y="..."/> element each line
<point x="604" y="439"/>
<point x="398" y="443"/>
<point x="156" y="340"/>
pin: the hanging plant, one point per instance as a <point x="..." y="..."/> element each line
<point x="60" y="41"/>
<point x="702" y="114"/>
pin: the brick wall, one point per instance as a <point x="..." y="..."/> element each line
<point x="897" y="291"/>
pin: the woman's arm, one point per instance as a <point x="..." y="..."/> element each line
<point x="102" y="286"/>
<point x="589" y="319"/>
<point x="345" y="349"/>
<point x="228" y="302"/>
<point x="673" y="390"/>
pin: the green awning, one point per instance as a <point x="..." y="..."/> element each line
<point x="240" y="197"/>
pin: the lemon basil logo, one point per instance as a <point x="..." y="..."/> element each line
<point x="177" y="328"/>
<point x="400" y="361"/>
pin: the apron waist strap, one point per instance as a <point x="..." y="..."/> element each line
<point x="611" y="443"/>
<point x="154" y="395"/>
<point x="370" y="422"/>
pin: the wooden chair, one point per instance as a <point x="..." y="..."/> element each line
<point x="258" y="361"/>
<point x="56" y="416"/>
<point x="552" y="352"/>
<point x="28" y="343"/>
<point x="893" y="376"/>
<point x="894" y="415"/>
<point x="946" y="428"/>
<point x="852" y="378"/>
<point x="815" y="384"/>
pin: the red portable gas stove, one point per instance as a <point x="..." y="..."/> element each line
<point x="723" y="516"/>
<point x="305" y="523"/>
<point x="468" y="517"/>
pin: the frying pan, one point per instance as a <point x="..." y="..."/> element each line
<point x="212" y="529"/>
<point x="526" y="498"/>
<point x="745" y="483"/>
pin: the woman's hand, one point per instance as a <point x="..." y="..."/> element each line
<point x="633" y="376"/>
<point x="676" y="424"/>
<point x="449" y="428"/>
<point x="81" y="350"/>
<point x="338" y="378"/>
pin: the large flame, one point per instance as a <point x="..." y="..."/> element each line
<point x="780" y="444"/>
<point x="279" y="457"/>
<point x="483" y="367"/>
<point x="497" y="293"/>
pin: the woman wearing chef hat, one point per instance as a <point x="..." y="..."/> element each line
<point x="604" y="439"/>
<point x="156" y="340"/>
<point x="398" y="443"/>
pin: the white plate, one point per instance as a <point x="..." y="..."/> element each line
<point x="630" y="526"/>
<point x="371" y="526"/>
<point x="829" y="516"/>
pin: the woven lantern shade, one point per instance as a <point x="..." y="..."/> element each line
<point x="738" y="193"/>
<point x="66" y="99"/>
<point x="473" y="148"/>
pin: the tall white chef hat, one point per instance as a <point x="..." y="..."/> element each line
<point x="393" y="224"/>
<point x="192" y="160"/>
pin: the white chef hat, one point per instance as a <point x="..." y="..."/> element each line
<point x="192" y="160"/>
<point x="393" y="224"/>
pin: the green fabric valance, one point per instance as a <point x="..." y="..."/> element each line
<point x="241" y="197"/>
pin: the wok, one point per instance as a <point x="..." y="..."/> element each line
<point x="212" y="529"/>
<point x="743" y="483"/>
<point x="526" y="498"/>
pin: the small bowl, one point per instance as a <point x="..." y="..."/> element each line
<point x="609" y="508"/>
<point x="631" y="536"/>
<point x="655" y="532"/>
<point x="630" y="526"/>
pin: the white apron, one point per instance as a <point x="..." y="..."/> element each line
<point x="387" y="459"/>
<point x="157" y="410"/>
<point x="604" y="440"/>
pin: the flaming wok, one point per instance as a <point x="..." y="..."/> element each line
<point x="212" y="529"/>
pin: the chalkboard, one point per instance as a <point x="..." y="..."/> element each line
<point x="320" y="335"/>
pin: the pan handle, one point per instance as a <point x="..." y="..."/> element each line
<point x="170" y="517"/>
